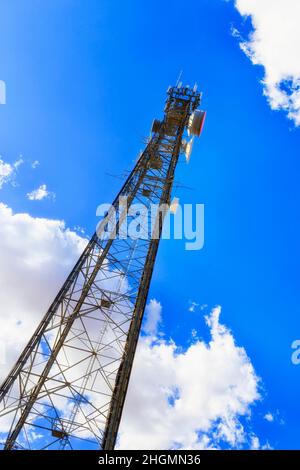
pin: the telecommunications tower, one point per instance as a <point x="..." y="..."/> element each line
<point x="68" y="387"/>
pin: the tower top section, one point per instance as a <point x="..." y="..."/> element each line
<point x="181" y="111"/>
<point x="186" y="93"/>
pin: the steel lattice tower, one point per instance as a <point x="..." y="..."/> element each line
<point x="68" y="387"/>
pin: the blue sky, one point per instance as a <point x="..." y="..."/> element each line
<point x="84" y="81"/>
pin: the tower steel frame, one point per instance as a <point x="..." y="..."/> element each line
<point x="68" y="387"/>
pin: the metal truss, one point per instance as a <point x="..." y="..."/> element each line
<point x="68" y="387"/>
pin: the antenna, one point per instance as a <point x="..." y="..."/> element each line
<point x="179" y="78"/>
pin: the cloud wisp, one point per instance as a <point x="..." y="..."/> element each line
<point x="40" y="193"/>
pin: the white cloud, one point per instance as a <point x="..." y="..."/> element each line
<point x="194" y="333"/>
<point x="267" y="446"/>
<point x="35" y="256"/>
<point x="255" y="444"/>
<point x="18" y="162"/>
<point x="152" y="317"/>
<point x="8" y="171"/>
<point x="189" y="399"/>
<point x="79" y="229"/>
<point x="193" y="305"/>
<point x="40" y="193"/>
<point x="35" y="164"/>
<point x="269" y="417"/>
<point x="274" y="43"/>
